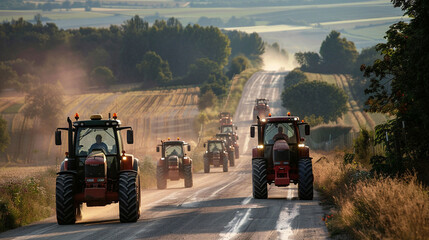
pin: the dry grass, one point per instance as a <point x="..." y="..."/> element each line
<point x="371" y="207"/>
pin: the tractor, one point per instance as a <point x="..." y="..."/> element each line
<point x="225" y="118"/>
<point x="216" y="155"/>
<point x="281" y="156"/>
<point x="229" y="139"/>
<point x="173" y="164"/>
<point x="261" y="109"/>
<point x="96" y="170"/>
<point x="230" y="130"/>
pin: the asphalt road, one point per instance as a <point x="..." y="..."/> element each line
<point x="218" y="206"/>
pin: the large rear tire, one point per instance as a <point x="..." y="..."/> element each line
<point x="66" y="211"/>
<point x="225" y="164"/>
<point x="161" y="178"/>
<point x="187" y="172"/>
<point x="231" y="159"/>
<point x="305" y="184"/>
<point x="206" y="165"/>
<point x="129" y="197"/>
<point x="259" y="179"/>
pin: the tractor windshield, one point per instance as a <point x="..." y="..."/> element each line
<point x="226" y="129"/>
<point x="173" y="150"/>
<point x="215" y="146"/>
<point x="90" y="139"/>
<point x="271" y="129"/>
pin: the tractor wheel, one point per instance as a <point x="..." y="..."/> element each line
<point x="187" y="172"/>
<point x="231" y="159"/>
<point x="305" y="184"/>
<point x="161" y="179"/>
<point x="66" y="211"/>
<point x="237" y="153"/>
<point x="225" y="164"/>
<point x="259" y="179"/>
<point x="129" y="197"/>
<point x="206" y="165"/>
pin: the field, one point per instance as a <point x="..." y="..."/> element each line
<point x="296" y="28"/>
<point x="154" y="115"/>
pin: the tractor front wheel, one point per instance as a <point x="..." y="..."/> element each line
<point x="161" y="178"/>
<point x="225" y="164"/>
<point x="259" y="179"/>
<point x="187" y="172"/>
<point x="66" y="211"/>
<point x="129" y="197"/>
<point x="231" y="159"/>
<point x="305" y="184"/>
<point x="206" y="165"/>
<point x="237" y="152"/>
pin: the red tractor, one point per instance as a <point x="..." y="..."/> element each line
<point x="230" y="129"/>
<point x="225" y="118"/>
<point x="96" y="170"/>
<point x="216" y="155"/>
<point x="173" y="164"/>
<point x="261" y="109"/>
<point x="281" y="156"/>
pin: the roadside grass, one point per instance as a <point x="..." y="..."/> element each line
<point x="14" y="108"/>
<point x="23" y="201"/>
<point x="147" y="173"/>
<point x="370" y="207"/>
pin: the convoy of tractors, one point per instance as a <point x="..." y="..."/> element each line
<point x="97" y="171"/>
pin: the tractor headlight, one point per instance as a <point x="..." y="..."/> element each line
<point x="260" y="146"/>
<point x="124" y="158"/>
<point x="301" y="145"/>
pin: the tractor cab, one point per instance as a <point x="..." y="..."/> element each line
<point x="225" y="118"/>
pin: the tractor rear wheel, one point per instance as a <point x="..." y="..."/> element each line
<point x="161" y="178"/>
<point x="231" y="159"/>
<point x="305" y="184"/>
<point x="129" y="197"/>
<point x="225" y="164"/>
<point x="206" y="165"/>
<point x="259" y="179"/>
<point x="66" y="211"/>
<point x="187" y="172"/>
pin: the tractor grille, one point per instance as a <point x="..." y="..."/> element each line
<point x="281" y="157"/>
<point x="95" y="170"/>
<point x="173" y="161"/>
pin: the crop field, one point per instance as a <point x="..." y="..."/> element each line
<point x="355" y="117"/>
<point x="154" y="115"/>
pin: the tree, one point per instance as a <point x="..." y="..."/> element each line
<point x="202" y="69"/>
<point x="338" y="54"/>
<point x="309" y="61"/>
<point x="206" y="100"/>
<point x="4" y="135"/>
<point x="294" y="77"/>
<point x="102" y="76"/>
<point x="7" y="76"/>
<point x="238" y="64"/>
<point x="154" y="69"/>
<point x="315" y="98"/>
<point x="399" y="86"/>
<point x="44" y="101"/>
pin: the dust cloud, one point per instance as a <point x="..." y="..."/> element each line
<point x="277" y="61"/>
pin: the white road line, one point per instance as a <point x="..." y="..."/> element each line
<point x="284" y="223"/>
<point x="246" y="201"/>
<point x="234" y="226"/>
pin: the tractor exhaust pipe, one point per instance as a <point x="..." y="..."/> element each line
<point x="70" y="136"/>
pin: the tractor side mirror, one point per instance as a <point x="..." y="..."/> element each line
<point x="130" y="136"/>
<point x="252" y="132"/>
<point x="189" y="148"/>
<point x="237" y="137"/>
<point x="58" y="137"/>
<point x="204" y="145"/>
<point x="307" y="129"/>
<point x="236" y="128"/>
<point x="157" y="149"/>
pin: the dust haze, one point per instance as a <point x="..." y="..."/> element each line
<point x="278" y="61"/>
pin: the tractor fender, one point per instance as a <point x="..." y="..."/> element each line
<point x="66" y="172"/>
<point x="187" y="161"/>
<point x="257" y="153"/>
<point x="304" y="152"/>
<point x="160" y="162"/>
<point x="127" y="162"/>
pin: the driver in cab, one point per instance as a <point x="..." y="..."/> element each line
<point x="99" y="144"/>
<point x="280" y="135"/>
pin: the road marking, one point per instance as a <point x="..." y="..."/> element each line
<point x="234" y="226"/>
<point x="246" y="201"/>
<point x="284" y="223"/>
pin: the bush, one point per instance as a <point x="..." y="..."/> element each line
<point x="294" y="77"/>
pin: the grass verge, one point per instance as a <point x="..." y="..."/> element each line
<point x="371" y="207"/>
<point x="23" y="201"/>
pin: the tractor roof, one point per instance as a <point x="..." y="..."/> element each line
<point x="97" y="123"/>
<point x="174" y="142"/>
<point x="282" y="119"/>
